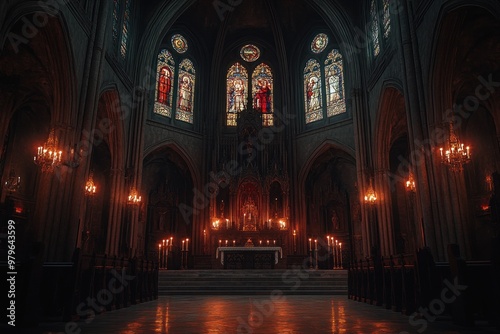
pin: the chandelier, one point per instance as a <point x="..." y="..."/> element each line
<point x="90" y="187"/>
<point x="455" y="155"/>
<point x="49" y="155"/>
<point x="13" y="182"/>
<point x="134" y="198"/>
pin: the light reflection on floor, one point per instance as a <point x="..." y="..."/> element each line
<point x="257" y="315"/>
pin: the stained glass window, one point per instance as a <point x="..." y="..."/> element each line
<point x="374" y="29"/>
<point x="312" y="91"/>
<point x="262" y="92"/>
<point x="387" y="18"/>
<point x="236" y="84"/>
<point x="179" y="43"/>
<point x="334" y="81"/>
<point x="319" y="43"/>
<point x="165" y="82"/>
<point x="250" y="53"/>
<point x="116" y="22"/>
<point x="125" y="29"/>
<point x="185" y="95"/>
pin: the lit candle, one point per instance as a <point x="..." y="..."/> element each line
<point x="468" y="152"/>
<point x="340" y="253"/>
<point x="328" y="237"/>
<point x="159" y="254"/>
<point x="268" y="242"/>
<point x="441" y="150"/>
<point x="220" y="242"/>
<point x="260" y="242"/>
<point x="182" y="248"/>
<point x="274" y="242"/>
<point x="310" y="245"/>
<point x="234" y="243"/>
<point x="187" y="244"/>
<point x="226" y="243"/>
<point x="315" y="244"/>
<point x="171" y="242"/>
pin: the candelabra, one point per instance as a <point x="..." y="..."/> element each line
<point x="49" y="155"/>
<point x="455" y="154"/>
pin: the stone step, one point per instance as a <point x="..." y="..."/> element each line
<point x="249" y="282"/>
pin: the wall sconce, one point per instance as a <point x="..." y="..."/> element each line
<point x="13" y="182"/>
<point x="410" y="183"/>
<point x="90" y="187"/>
<point x="134" y="198"/>
<point x="370" y="196"/>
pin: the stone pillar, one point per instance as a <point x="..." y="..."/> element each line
<point x="88" y="110"/>
<point x="415" y="111"/>
<point x="362" y="149"/>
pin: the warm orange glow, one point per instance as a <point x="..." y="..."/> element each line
<point x="18" y="209"/>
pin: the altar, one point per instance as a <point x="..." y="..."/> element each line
<point x="249" y="257"/>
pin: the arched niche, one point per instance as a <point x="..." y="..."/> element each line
<point x="169" y="208"/>
<point x="332" y="203"/>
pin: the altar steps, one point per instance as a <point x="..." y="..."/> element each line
<point x="252" y="282"/>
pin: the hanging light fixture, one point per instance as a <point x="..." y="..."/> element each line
<point x="455" y="154"/>
<point x="49" y="156"/>
<point x="13" y="182"/>
<point x="410" y="183"/>
<point x="90" y="187"/>
<point x="134" y="198"/>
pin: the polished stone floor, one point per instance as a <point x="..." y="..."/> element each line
<point x="273" y="314"/>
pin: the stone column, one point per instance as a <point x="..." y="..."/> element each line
<point x="415" y="111"/>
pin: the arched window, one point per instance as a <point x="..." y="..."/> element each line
<point x="334" y="73"/>
<point x="236" y="88"/>
<point x="312" y="91"/>
<point x="186" y="91"/>
<point x="164" y="83"/>
<point x="374" y="29"/>
<point x="379" y="24"/>
<point x="323" y="81"/>
<point x="262" y="92"/>
<point x="175" y="85"/>
<point x="121" y="26"/>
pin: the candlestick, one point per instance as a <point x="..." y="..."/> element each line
<point x="159" y="255"/>
<point x="340" y="254"/>
<point x="310" y="245"/>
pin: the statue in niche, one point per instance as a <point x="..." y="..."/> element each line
<point x="335" y="220"/>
